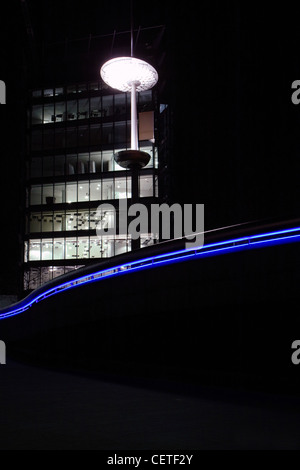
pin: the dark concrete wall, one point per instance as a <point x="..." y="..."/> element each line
<point x="227" y="319"/>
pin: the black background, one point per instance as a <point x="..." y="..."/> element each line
<point x="229" y="72"/>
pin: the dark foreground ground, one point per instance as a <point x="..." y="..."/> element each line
<point x="48" y="409"/>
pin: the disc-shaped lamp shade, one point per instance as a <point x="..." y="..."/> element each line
<point x="121" y="73"/>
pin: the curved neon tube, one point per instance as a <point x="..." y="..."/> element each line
<point x="227" y="246"/>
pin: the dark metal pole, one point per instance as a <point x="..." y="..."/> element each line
<point x="135" y="244"/>
<point x="131" y="27"/>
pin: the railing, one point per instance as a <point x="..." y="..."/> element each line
<point x="217" y="242"/>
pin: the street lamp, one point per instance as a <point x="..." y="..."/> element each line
<point x="129" y="74"/>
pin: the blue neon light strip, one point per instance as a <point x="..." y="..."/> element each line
<point x="212" y="249"/>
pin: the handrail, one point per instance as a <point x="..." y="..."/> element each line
<point x="241" y="237"/>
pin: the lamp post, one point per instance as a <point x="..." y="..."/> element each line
<point x="129" y="74"/>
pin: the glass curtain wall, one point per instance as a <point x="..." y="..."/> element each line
<point x="74" y="133"/>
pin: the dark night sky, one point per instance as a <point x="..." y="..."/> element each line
<point x="230" y="69"/>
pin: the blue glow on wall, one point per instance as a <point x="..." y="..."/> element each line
<point x="261" y="240"/>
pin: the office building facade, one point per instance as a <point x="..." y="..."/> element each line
<point x="73" y="133"/>
<point x="74" y="129"/>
